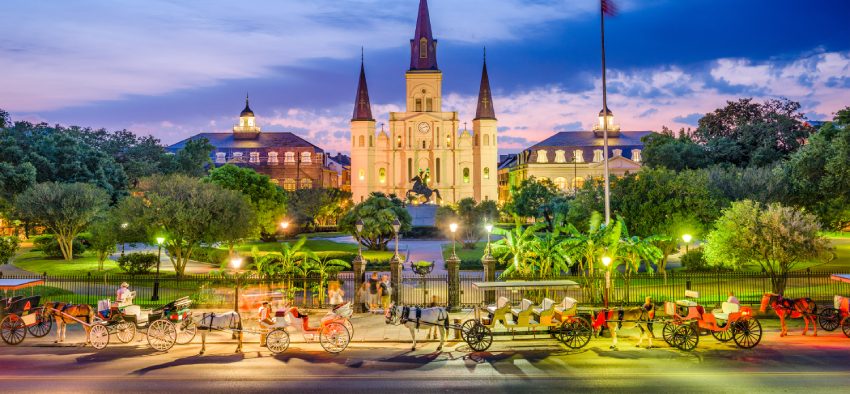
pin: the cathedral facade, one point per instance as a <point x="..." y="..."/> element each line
<point x="425" y="139"/>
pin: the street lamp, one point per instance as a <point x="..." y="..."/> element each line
<point x="687" y="239"/>
<point x="123" y="229"/>
<point x="606" y="261"/>
<point x="236" y="263"/>
<point x="359" y="226"/>
<point x="284" y="225"/>
<point x="453" y="228"/>
<point x="489" y="228"/>
<point x="159" y="242"/>
<point x="396" y="228"/>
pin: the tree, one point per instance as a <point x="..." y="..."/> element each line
<point x="664" y="150"/>
<point x="319" y="207"/>
<point x="535" y="199"/>
<point x="378" y="213"/>
<point x="8" y="248"/>
<point x="187" y="212"/>
<point x="514" y="248"/>
<point x="268" y="201"/>
<point x="194" y="159"/>
<point x="774" y="238"/>
<point x="819" y="173"/>
<point x="470" y="216"/>
<point x="745" y="133"/>
<point x="324" y="267"/>
<point x="14" y="179"/>
<point x="105" y="232"/>
<point x="763" y="184"/>
<point x="64" y="208"/>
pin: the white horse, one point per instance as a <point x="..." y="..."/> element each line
<point x="413" y="317"/>
<point x="219" y="321"/>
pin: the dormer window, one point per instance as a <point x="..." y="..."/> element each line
<point x="220" y="157"/>
<point x="541" y="156"/>
<point x="254" y="157"/>
<point x="579" y="156"/>
<point x="306" y="157"/>
<point x="272" y="157"/>
<point x="559" y="156"/>
<point x="597" y="155"/>
<point x="636" y="155"/>
<point x="618" y="152"/>
<point x="423" y="48"/>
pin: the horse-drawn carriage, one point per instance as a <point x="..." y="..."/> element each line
<point x="163" y="326"/>
<point x="689" y="320"/>
<point x="21" y="315"/>
<point x="838" y="315"/>
<point x="559" y="320"/>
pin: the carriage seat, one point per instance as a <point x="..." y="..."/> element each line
<point x="128" y="300"/>
<point x="687" y="303"/>
<point x="522" y="316"/>
<point x="500" y="303"/>
<point x="140" y="315"/>
<point x="842" y="303"/>
<point x="726" y="309"/>
<point x="22" y="306"/>
<point x="525" y="306"/>
<point x="546" y="305"/>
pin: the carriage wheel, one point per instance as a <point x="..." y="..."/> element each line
<point x="125" y="331"/>
<point x="747" y="332"/>
<point x="277" y="341"/>
<point x="99" y="336"/>
<point x="724" y="335"/>
<point x="162" y="335"/>
<point x="334" y="337"/>
<point x="667" y="333"/>
<point x="845" y="326"/>
<point x="575" y="333"/>
<point x="43" y="325"/>
<point x="479" y="337"/>
<point x="349" y="327"/>
<point x="466" y="327"/>
<point x="686" y="337"/>
<point x="829" y="319"/>
<point x="186" y="331"/>
<point x="13" y="330"/>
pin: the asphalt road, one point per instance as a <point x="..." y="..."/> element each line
<point x="790" y="364"/>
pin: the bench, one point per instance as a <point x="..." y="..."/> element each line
<point x="545" y="312"/>
<point x="567" y="307"/>
<point x="725" y="310"/>
<point x="522" y="316"/>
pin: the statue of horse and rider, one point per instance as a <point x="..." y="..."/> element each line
<point x="420" y="188"/>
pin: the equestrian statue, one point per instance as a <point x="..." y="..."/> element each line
<point x="420" y="188"/>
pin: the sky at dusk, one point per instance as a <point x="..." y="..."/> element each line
<point x="177" y="68"/>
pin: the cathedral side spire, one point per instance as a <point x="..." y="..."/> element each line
<point x="362" y="106"/>
<point x="423" y="47"/>
<point x="485" y="108"/>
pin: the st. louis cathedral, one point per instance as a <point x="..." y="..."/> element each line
<point x="424" y="140"/>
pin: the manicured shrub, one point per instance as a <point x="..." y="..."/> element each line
<point x="694" y="260"/>
<point x="8" y="247"/>
<point x="137" y="263"/>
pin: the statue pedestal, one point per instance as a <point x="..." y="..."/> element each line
<point x="424" y="215"/>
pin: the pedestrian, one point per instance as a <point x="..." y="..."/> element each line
<point x="649" y="307"/>
<point x="363" y="295"/>
<point x="374" y="296"/>
<point x="732" y="299"/>
<point x="385" y="291"/>
<point x="335" y="293"/>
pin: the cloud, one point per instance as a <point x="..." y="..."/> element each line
<point x="568" y="126"/>
<point x="651" y="111"/>
<point x="690" y="119"/>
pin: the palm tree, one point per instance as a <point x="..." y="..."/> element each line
<point x="632" y="251"/>
<point x="324" y="266"/>
<point x="588" y="249"/>
<point x="514" y="248"/>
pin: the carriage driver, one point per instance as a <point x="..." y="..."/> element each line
<point x="266" y="321"/>
<point x="123" y="294"/>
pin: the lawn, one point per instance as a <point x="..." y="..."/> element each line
<point x="465" y="254"/>
<point x="35" y="261"/>
<point x="322" y="247"/>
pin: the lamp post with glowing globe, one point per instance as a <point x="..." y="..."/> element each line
<point x="687" y="238"/>
<point x="159" y="242"/>
<point x="236" y="264"/>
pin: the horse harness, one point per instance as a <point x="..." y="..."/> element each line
<point x="405" y="316"/>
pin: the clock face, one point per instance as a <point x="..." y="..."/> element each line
<point x="424" y="127"/>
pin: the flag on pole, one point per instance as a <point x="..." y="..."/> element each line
<point x="609" y="8"/>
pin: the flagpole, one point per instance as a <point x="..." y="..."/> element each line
<point x="605" y="120"/>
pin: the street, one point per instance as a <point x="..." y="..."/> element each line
<point x="795" y="363"/>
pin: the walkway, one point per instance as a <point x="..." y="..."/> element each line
<point x="417" y="250"/>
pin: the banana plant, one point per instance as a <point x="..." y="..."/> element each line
<point x="514" y="248"/>
<point x="324" y="266"/>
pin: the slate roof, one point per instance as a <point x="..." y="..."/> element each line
<point x="263" y="140"/>
<point x="589" y="138"/>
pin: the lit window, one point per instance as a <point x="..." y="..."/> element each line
<point x="382" y="175"/>
<point x="541" y="156"/>
<point x="274" y="181"/>
<point x="272" y="157"/>
<point x="486" y="172"/>
<point x="636" y="155"/>
<point x="398" y="141"/>
<point x="254" y="157"/>
<point x="597" y="155"/>
<point x="423" y="48"/>
<point x="220" y="157"/>
<point x="466" y="175"/>
<point x="362" y="141"/>
<point x="560" y="157"/>
<point x="578" y="183"/>
<point x="306" y="183"/>
<point x="289" y="184"/>
<point x="561" y="183"/>
<point x="237" y="156"/>
<point x="578" y="156"/>
<point x="306" y="157"/>
<point x="618" y="152"/>
<point x="361" y="174"/>
<point x="289" y="157"/>
<point x="448" y="140"/>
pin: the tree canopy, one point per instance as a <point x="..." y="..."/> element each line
<point x="319" y="207"/>
<point x="268" y="201"/>
<point x="378" y="213"/>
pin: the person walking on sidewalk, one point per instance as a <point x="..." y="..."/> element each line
<point x="363" y="295"/>
<point x="374" y="296"/>
<point x="385" y="290"/>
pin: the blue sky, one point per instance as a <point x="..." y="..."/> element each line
<point x="173" y="69"/>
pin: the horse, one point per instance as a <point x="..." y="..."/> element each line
<point x="412" y="317"/>
<point x="70" y="314"/>
<point x="420" y="188"/>
<point x="220" y="321"/>
<point x="803" y="308"/>
<point x="625" y="319"/>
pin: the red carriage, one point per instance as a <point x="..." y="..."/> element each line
<point x="689" y="320"/>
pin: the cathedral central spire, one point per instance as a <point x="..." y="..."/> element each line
<point x="423" y="47"/>
<point x="485" y="96"/>
<point x="362" y="107"/>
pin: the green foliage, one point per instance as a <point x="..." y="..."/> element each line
<point x="378" y="213"/>
<point x="694" y="260"/>
<point x="210" y="255"/>
<point x="268" y="201"/>
<point x="665" y="150"/>
<point x="820" y="173"/>
<point x="319" y="207"/>
<point x="763" y="184"/>
<point x="64" y="208"/>
<point x="8" y="248"/>
<point x="104" y="234"/>
<point x="774" y="238"/>
<point x="537" y="199"/>
<point x="137" y="263"/>
<point x="47" y="244"/>
<point x="470" y="217"/>
<point x="194" y="159"/>
<point x="188" y="213"/>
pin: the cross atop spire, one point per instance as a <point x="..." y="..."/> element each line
<point x="423" y="47"/>
<point x="362" y="107"/>
<point x="485" y="97"/>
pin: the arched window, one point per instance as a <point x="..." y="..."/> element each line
<point x="579" y="156"/>
<point x="220" y="157"/>
<point x="618" y="152"/>
<point x="289" y="184"/>
<point x="306" y="183"/>
<point x="272" y="157"/>
<point x="541" y="156"/>
<point x="439" y="170"/>
<point x="448" y="140"/>
<point x="254" y="157"/>
<point x="362" y="141"/>
<point x="486" y="172"/>
<point x="398" y="141"/>
<point x="382" y="175"/>
<point x="636" y="155"/>
<point x="466" y="175"/>
<point x="560" y="157"/>
<point x="597" y="155"/>
<point x="371" y="144"/>
<point x="306" y="157"/>
<point x="361" y="175"/>
<point x="561" y="183"/>
<point x="423" y="48"/>
<point x="289" y="157"/>
<point x="486" y="139"/>
<point x="578" y="183"/>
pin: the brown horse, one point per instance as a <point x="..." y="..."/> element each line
<point x="616" y="320"/>
<point x="69" y="312"/>
<point x="803" y="308"/>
